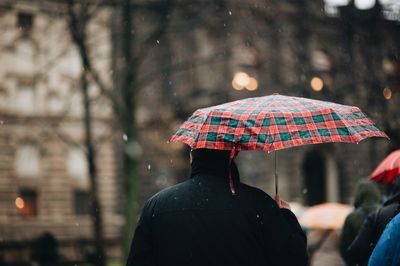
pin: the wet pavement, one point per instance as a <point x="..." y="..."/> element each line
<point x="324" y="247"/>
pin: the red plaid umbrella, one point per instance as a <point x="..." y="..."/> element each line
<point x="388" y="169"/>
<point x="274" y="122"/>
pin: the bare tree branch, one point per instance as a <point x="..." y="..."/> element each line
<point x="79" y="38"/>
<point x="157" y="33"/>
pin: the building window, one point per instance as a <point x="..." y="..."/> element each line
<point x="320" y="61"/>
<point x="76" y="104"/>
<point x="81" y="202"/>
<point x="54" y="103"/>
<point x="77" y="164"/>
<point x="26" y="203"/>
<point x="314" y="170"/>
<point x="27" y="161"/>
<point x="25" y="98"/>
<point x="25" y="21"/>
<point x="25" y="51"/>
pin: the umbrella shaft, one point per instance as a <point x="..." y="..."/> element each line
<point x="276" y="172"/>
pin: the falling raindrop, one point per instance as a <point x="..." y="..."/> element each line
<point x="230" y="13"/>
<point x="125" y="137"/>
<point x="224" y="25"/>
<point x="305" y="191"/>
<point x="258" y="216"/>
<point x="149" y="167"/>
<point x="170" y="82"/>
<point x="158" y="42"/>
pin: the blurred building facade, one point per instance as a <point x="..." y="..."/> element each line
<point x="44" y="184"/>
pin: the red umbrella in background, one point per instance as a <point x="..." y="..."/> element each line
<point x="388" y="169"/>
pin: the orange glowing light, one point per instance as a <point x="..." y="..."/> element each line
<point x="252" y="85"/>
<point x="242" y="79"/>
<point x="387" y="93"/>
<point x="236" y="86"/>
<point x="317" y="84"/>
<point x="19" y="202"/>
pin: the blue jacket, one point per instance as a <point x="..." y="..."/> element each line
<point x="387" y="251"/>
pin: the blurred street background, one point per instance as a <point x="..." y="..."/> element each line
<point x="92" y="90"/>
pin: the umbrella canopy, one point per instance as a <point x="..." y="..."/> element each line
<point x="297" y="208"/>
<point x="325" y="216"/>
<point x="274" y="122"/>
<point x="388" y="169"/>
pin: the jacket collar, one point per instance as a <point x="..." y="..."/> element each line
<point x="215" y="167"/>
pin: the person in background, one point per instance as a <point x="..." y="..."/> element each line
<point x="367" y="198"/>
<point x="45" y="250"/>
<point x="361" y="248"/>
<point x="199" y="222"/>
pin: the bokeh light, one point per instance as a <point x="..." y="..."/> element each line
<point x="236" y="86"/>
<point x="317" y="84"/>
<point x="252" y="85"/>
<point x="242" y="79"/>
<point x="387" y="93"/>
<point x="19" y="203"/>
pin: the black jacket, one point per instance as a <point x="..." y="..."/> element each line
<point x="199" y="222"/>
<point x="367" y="200"/>
<point x="361" y="248"/>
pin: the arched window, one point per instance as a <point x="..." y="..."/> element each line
<point x="54" y="103"/>
<point x="76" y="103"/>
<point x="25" y="98"/>
<point x="320" y="61"/>
<point x="77" y="164"/>
<point x="314" y="170"/>
<point x="26" y="203"/>
<point x="27" y="160"/>
<point x="364" y="4"/>
<point x="25" y="51"/>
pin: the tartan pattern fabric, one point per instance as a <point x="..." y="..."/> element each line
<point x="274" y="122"/>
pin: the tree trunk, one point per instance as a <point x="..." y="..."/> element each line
<point x="128" y="125"/>
<point x="100" y="258"/>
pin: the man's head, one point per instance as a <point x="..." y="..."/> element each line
<point x="209" y="155"/>
<point x="213" y="160"/>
